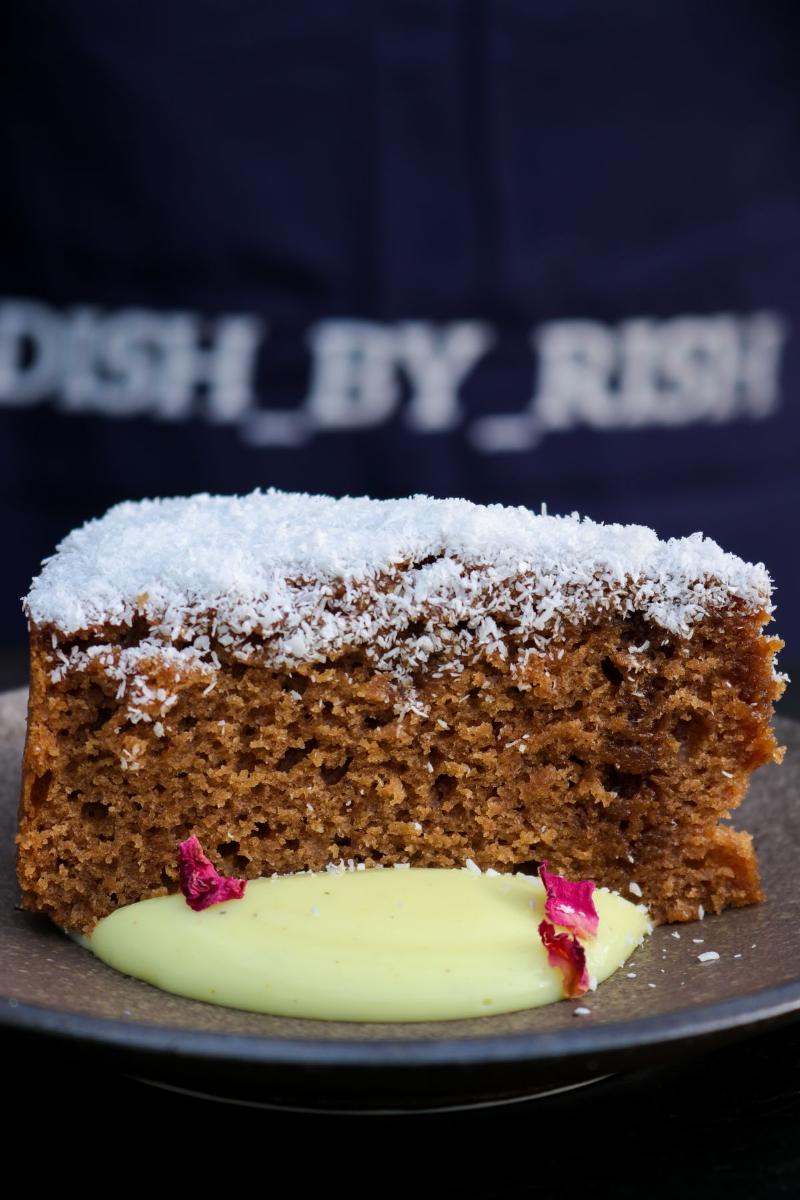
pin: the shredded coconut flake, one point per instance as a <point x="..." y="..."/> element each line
<point x="708" y="956"/>
<point x="293" y="571"/>
<point x="284" y="578"/>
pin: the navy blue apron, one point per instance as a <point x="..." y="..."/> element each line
<point x="513" y="250"/>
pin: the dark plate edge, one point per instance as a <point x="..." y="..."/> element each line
<point x="754" y="1011"/>
<point x="700" y="1025"/>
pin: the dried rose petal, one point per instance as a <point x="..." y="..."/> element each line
<point x="567" y="954"/>
<point x="569" y="903"/>
<point x="201" y="883"/>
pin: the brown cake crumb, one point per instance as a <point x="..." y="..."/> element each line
<point x="613" y="747"/>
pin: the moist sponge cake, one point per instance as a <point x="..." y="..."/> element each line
<point x="299" y="680"/>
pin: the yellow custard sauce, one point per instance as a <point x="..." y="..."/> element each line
<point x="375" y="945"/>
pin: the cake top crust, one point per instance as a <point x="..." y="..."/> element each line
<point x="307" y="572"/>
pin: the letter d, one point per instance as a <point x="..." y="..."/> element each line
<point x="31" y="351"/>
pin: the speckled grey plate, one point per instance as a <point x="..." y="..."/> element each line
<point x="52" y="989"/>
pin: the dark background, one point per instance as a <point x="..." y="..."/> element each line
<point x="510" y="162"/>
<point x="720" y="1127"/>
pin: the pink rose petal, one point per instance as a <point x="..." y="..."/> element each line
<point x="201" y="883"/>
<point x="570" y="904"/>
<point x="566" y="954"/>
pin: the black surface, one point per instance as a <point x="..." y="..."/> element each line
<point x="721" y="1125"/>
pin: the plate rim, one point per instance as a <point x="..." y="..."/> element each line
<point x="695" y="1023"/>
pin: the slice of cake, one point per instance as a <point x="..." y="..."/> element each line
<point x="299" y="680"/>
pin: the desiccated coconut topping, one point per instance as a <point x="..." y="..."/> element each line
<point x="246" y="557"/>
<point x="297" y="578"/>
